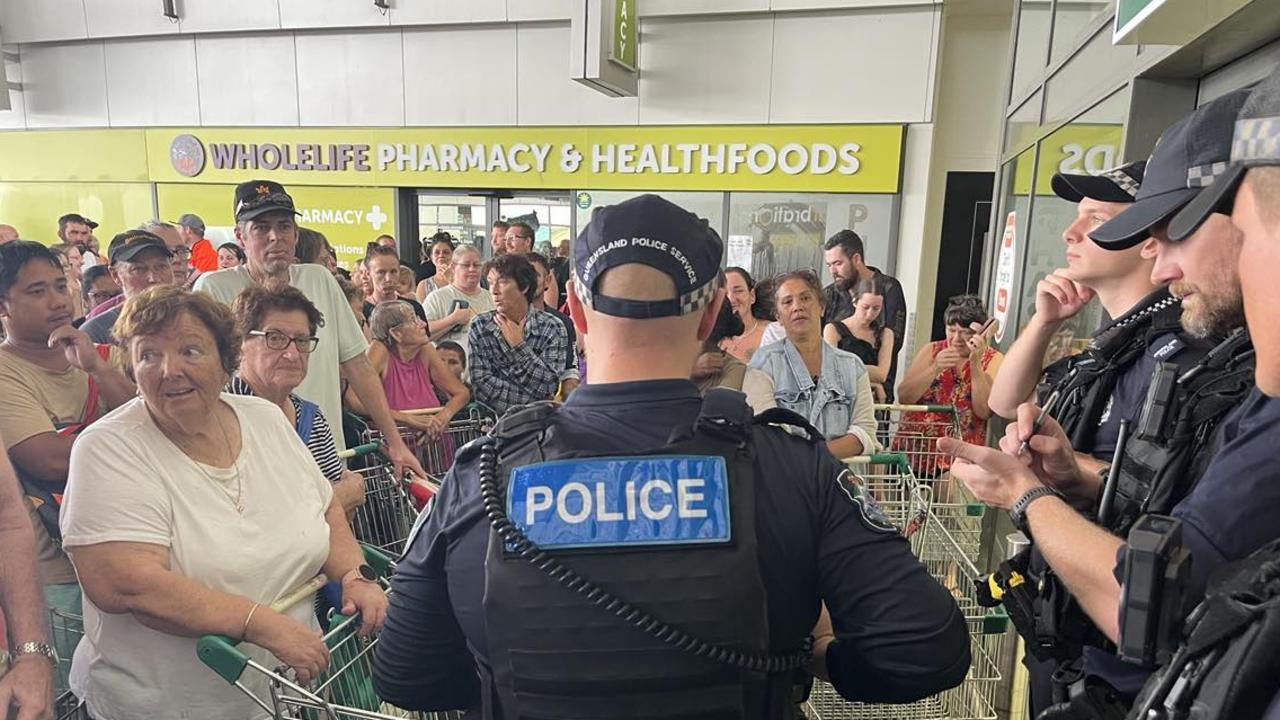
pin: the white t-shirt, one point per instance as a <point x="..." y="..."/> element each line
<point x="773" y="333"/>
<point x="340" y="336"/>
<point x="130" y="483"/>
<point x="440" y="303"/>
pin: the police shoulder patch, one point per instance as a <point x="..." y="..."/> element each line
<point x="868" y="509"/>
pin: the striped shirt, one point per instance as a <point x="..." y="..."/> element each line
<point x="320" y="440"/>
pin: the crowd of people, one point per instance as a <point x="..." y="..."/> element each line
<point x="174" y="413"/>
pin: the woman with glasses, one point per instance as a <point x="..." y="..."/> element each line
<point x="190" y="511"/>
<point x="279" y="328"/>
<point x="829" y="387"/>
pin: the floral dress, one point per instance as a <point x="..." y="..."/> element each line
<point x="917" y="431"/>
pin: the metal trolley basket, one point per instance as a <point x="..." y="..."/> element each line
<point x="345" y="689"/>
<point x="389" y="511"/>
<point x="887" y="478"/>
<point x="974" y="698"/>
<point x="914" y="430"/>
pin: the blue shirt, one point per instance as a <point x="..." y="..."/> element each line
<point x="900" y="634"/>
<point x="1229" y="514"/>
<point x="829" y="402"/>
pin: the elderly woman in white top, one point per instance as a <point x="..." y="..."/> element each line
<point x="189" y="511"/>
<point x="827" y="386"/>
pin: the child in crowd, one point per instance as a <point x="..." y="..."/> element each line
<point x="454" y="356"/>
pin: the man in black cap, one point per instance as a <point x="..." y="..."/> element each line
<point x="139" y="259"/>
<point x="267" y="231"/>
<point x="1094" y="390"/>
<point x="1236" y="672"/>
<point x="678" y="570"/>
<point x="1163" y="469"/>
<point x="75" y="228"/>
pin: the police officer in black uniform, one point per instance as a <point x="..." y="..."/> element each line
<point x="1092" y="391"/>
<point x="1228" y="664"/>
<point x="641" y="552"/>
<point x="1162" y="469"/>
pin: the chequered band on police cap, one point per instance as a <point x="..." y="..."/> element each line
<point x="690" y="302"/>
<point x="1203" y="175"/>
<point x="1123" y="180"/>
<point x="1257" y="140"/>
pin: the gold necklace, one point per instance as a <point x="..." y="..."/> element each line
<point x="237" y="502"/>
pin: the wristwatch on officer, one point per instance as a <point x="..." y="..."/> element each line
<point x="363" y="573"/>
<point x="34" y="648"/>
<point x="1019" y="510"/>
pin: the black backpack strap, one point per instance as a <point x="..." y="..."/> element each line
<point x="724" y="413"/>
<point x="781" y="416"/>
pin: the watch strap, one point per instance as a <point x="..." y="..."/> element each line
<point x="1019" y="510"/>
<point x="34" y="648"/>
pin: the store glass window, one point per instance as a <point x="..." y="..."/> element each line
<point x="551" y="217"/>
<point x="707" y="205"/>
<point x="462" y="216"/>
<point x="770" y="233"/>
<point x="1086" y="74"/>
<point x="1011" y="229"/>
<point x="1024" y="123"/>
<point x="1071" y="20"/>
<point x="1031" y="51"/>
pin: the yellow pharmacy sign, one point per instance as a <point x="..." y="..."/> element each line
<point x="798" y="158"/>
<point x="350" y="217"/>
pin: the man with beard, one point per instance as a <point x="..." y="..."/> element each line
<point x="1163" y="468"/>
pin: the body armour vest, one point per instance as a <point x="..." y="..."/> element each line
<point x="630" y="587"/>
<point x="1228" y="664"/>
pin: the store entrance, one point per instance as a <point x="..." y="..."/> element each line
<point x="469" y="215"/>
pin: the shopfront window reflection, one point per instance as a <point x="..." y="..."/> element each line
<point x="1031" y="51"/>
<point x="1088" y="145"/>
<point x="1011" y="229"/>
<point x="1070" y="20"/>
<point x="771" y="233"/>
<point x="461" y="216"/>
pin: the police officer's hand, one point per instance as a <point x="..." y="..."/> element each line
<point x="708" y="364"/>
<point x="993" y="476"/>
<point x="1058" y="298"/>
<point x="1049" y="453"/>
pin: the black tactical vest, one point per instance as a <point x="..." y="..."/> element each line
<point x="1228" y="665"/>
<point x="588" y="622"/>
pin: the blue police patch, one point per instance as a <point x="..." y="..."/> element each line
<point x="622" y="501"/>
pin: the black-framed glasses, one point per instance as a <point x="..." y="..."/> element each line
<point x="279" y="341"/>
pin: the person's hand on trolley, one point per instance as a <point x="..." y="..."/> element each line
<point x="366" y="598"/>
<point x="296" y="645"/>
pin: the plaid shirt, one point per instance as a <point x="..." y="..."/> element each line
<point x="504" y="377"/>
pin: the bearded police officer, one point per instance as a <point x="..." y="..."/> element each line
<point x="1173" y="439"/>
<point x="1228" y="665"/>
<point x="643" y="552"/>
<point x="1092" y="391"/>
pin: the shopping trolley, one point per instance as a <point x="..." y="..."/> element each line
<point x="887" y="478"/>
<point x="343" y="692"/>
<point x="65" y="631"/>
<point x="391" y="504"/>
<point x="914" y="430"/>
<point x="974" y="698"/>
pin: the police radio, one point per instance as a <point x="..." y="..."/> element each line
<point x="1156" y="569"/>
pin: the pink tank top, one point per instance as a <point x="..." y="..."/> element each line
<point x="408" y="384"/>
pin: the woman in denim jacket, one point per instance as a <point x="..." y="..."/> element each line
<point x="827" y="386"/>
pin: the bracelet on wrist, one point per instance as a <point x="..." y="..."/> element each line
<point x="244" y="631"/>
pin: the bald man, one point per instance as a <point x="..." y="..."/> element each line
<point x="8" y="233"/>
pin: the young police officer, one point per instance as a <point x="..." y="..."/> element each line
<point x="1162" y="473"/>
<point x="1093" y="390"/>
<point x="1229" y="664"/>
<point x="641" y="552"/>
